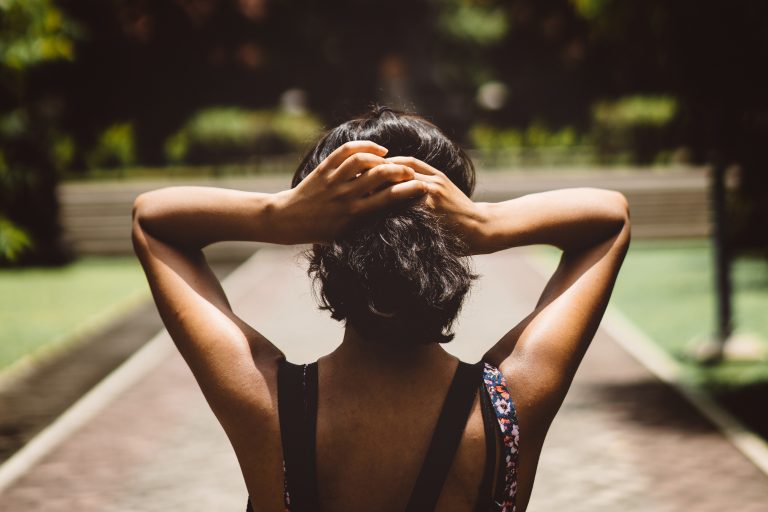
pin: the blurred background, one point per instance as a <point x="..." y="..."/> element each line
<point x="101" y="100"/>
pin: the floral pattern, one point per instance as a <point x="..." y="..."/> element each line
<point x="505" y="413"/>
<point x="286" y="495"/>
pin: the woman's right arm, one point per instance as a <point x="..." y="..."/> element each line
<point x="541" y="354"/>
<point x="591" y="227"/>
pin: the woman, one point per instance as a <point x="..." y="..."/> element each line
<point x="389" y="421"/>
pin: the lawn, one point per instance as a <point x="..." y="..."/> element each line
<point x="667" y="289"/>
<point x="43" y="307"/>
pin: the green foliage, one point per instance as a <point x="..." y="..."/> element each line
<point x="590" y="9"/>
<point x="473" y="22"/>
<point x="13" y="124"/>
<point x="636" y="124"/>
<point x="32" y="150"/>
<point x="226" y="134"/>
<point x="632" y="129"/>
<point x="32" y="32"/>
<point x="176" y="147"/>
<point x="635" y="110"/>
<point x="14" y="241"/>
<point x="62" y="151"/>
<point x="537" y="135"/>
<point x="487" y="137"/>
<point x="535" y="146"/>
<point x="115" y="148"/>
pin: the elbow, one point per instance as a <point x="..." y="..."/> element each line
<point x="622" y="216"/>
<point x="614" y="213"/>
<point x="137" y="235"/>
<point x="140" y="208"/>
<point x="609" y="207"/>
<point x="612" y="207"/>
<point x="141" y="215"/>
<point x="621" y="207"/>
<point x="145" y="210"/>
<point x="154" y="218"/>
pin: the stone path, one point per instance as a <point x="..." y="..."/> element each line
<point x="622" y="441"/>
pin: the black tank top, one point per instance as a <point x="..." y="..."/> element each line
<point x="297" y="384"/>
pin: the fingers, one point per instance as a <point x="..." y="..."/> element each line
<point x="356" y="165"/>
<point x="399" y="192"/>
<point x="379" y="176"/>
<point x="343" y="152"/>
<point x="415" y="164"/>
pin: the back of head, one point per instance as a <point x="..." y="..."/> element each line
<point x="398" y="276"/>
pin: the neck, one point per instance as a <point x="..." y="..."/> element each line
<point x="356" y="350"/>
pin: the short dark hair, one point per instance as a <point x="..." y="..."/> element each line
<point x="398" y="276"/>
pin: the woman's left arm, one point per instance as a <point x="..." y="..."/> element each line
<point x="231" y="361"/>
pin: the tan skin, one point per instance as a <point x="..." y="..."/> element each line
<point x="372" y="437"/>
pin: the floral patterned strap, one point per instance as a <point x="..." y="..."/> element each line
<point x="507" y="418"/>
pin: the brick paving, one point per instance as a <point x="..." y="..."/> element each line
<point x="623" y="441"/>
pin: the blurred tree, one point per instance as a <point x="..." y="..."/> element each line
<point x="542" y="60"/>
<point x="143" y="68"/>
<point x="153" y="64"/>
<point x="709" y="56"/>
<point x="33" y="33"/>
<point x="562" y="62"/>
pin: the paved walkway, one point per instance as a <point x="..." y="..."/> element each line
<point x="622" y="441"/>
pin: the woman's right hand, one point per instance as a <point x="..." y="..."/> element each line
<point x="353" y="180"/>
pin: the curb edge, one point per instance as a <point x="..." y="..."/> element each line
<point x="641" y="347"/>
<point x="133" y="369"/>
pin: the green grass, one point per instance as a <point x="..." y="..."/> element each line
<point x="667" y="289"/>
<point x="41" y="307"/>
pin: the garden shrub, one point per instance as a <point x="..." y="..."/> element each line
<point x="638" y="125"/>
<point x="114" y="148"/>
<point x="228" y="134"/>
<point x="536" y="145"/>
<point x="13" y="241"/>
<point x="536" y="135"/>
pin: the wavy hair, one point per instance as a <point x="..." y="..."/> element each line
<point x="398" y="276"/>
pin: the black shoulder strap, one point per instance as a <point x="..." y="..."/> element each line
<point x="445" y="438"/>
<point x="310" y="396"/>
<point x="297" y="409"/>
